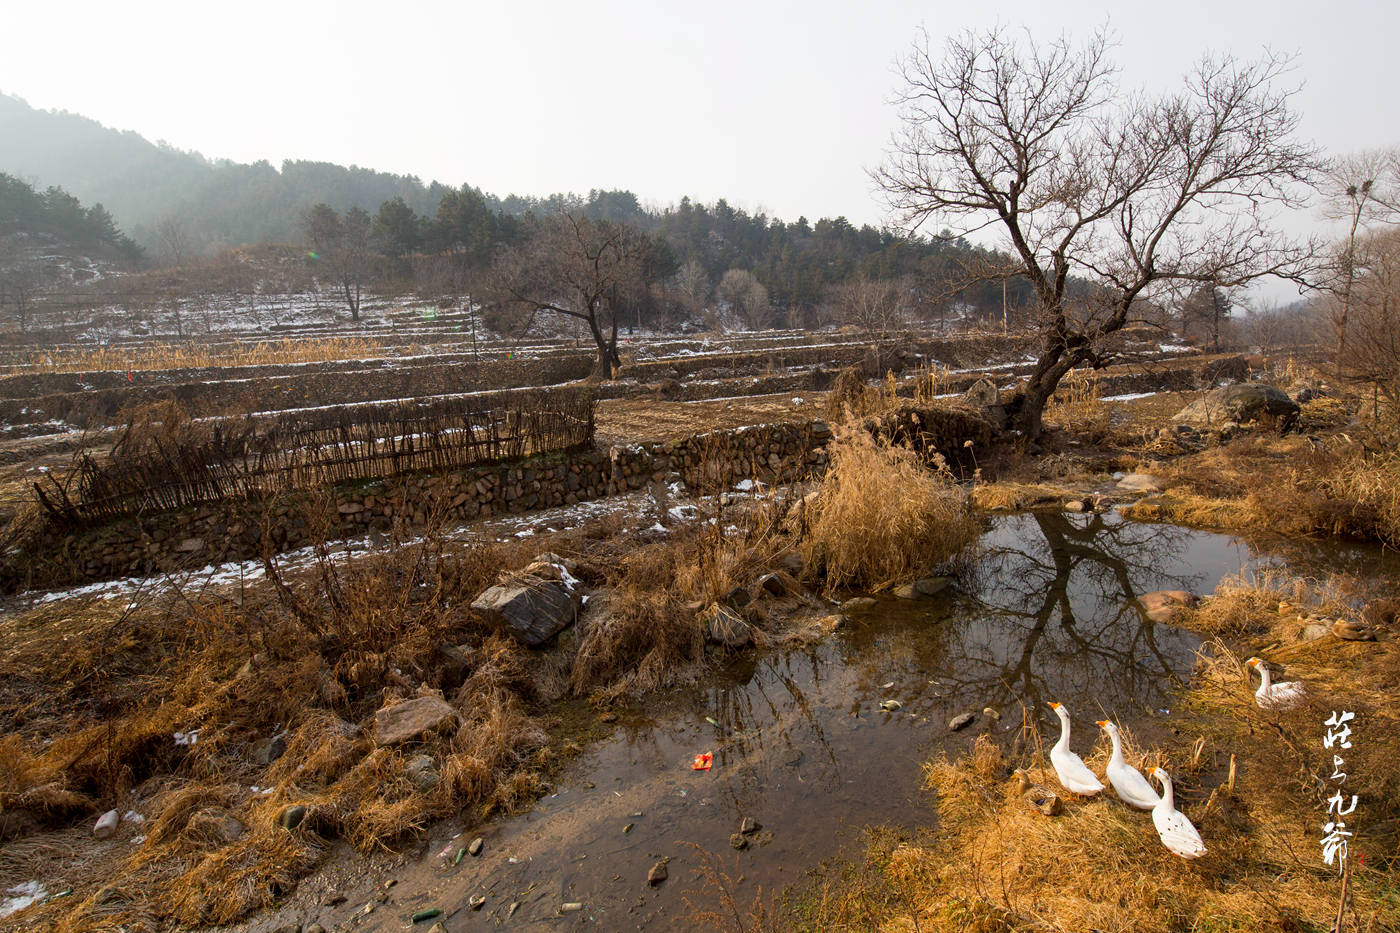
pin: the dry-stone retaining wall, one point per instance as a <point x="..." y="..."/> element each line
<point x="233" y="530"/>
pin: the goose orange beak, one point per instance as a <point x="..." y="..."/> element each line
<point x="1054" y="705"/>
<point x="1101" y="723"/>
<point x="1252" y="662"/>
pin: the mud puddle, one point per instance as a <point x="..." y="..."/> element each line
<point x="802" y="745"/>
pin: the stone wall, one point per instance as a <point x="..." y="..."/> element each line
<point x="233" y="530"/>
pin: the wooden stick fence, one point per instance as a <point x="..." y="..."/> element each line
<point x="259" y="455"/>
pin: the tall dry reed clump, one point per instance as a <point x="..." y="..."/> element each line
<point x="883" y="516"/>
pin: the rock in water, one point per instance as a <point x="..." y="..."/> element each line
<point x="477" y="845"/>
<point x="748" y="826"/>
<point x="1159" y="605"/>
<point x="406" y="721"/>
<point x="962" y="722"/>
<point x="738" y="841"/>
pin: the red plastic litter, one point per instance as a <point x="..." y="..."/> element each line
<point x="702" y="762"/>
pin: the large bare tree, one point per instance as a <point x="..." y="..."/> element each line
<point x="1104" y="199"/>
<point x="575" y="267"/>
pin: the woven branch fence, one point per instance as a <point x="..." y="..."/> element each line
<point x="172" y="466"/>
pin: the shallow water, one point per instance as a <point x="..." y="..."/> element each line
<point x="802" y="745"/>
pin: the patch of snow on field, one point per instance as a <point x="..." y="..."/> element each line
<point x="22" y="896"/>
<point x="1131" y="396"/>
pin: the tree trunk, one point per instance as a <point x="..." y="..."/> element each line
<point x="607" y="353"/>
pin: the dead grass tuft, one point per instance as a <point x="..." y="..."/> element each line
<point x="883" y="517"/>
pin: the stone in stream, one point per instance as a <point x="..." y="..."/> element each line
<point x="406" y="721"/>
<point x="962" y="721"/>
<point x="477" y="901"/>
<point x="658" y="873"/>
<point x="1160" y="605"/>
<point x="437" y="928"/>
<point x="737" y="598"/>
<point x="932" y="586"/>
<point x="738" y="841"/>
<point x="106" y="826"/>
<point x="748" y="826"/>
<point x="859" y="604"/>
<point x="477" y="845"/>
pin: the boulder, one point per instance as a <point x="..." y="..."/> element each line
<point x="1242" y="404"/>
<point x="406" y="721"/>
<point x="1140" y="482"/>
<point x="533" y="609"/>
<point x="1161" y="604"/>
<point x="723" y="626"/>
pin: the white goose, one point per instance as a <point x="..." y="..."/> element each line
<point x="1173" y="827"/>
<point x="1069" y="767"/>
<point x="1272" y="695"/>
<point x="1133" y="789"/>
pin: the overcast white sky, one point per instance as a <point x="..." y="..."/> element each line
<point x="773" y="105"/>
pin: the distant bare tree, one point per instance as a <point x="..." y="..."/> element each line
<point x="344" y="246"/>
<point x="693" y="283"/>
<point x="1362" y="190"/>
<point x="574" y="267"/>
<point x="745" y="295"/>
<point x="173" y="240"/>
<point x="1373" y="356"/>
<point x="22" y="277"/>
<point x="877" y="306"/>
<point x="1132" y="195"/>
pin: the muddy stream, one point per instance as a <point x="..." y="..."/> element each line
<point x="802" y="745"/>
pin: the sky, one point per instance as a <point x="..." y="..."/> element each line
<point x="776" y="106"/>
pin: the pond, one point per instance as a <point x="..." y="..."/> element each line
<point x="802" y="745"/>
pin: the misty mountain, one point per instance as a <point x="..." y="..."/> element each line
<point x="221" y="203"/>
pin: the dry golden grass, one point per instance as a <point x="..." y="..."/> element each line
<point x="1008" y="496"/>
<point x="159" y="356"/>
<point x="883" y="517"/>
<point x="1077" y="407"/>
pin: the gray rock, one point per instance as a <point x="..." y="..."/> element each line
<point x="738" y="841"/>
<point x="932" y="586"/>
<point x="266" y="751"/>
<point x="476" y="901"/>
<point x="218" y="825"/>
<point x="991" y="713"/>
<point x="291" y="817"/>
<point x="1242" y="403"/>
<point x="748" y="826"/>
<point x="773" y="584"/>
<point x="962" y="721"/>
<point x="422" y="771"/>
<point x="314" y="928"/>
<point x="476" y="846"/>
<point x="859" y="604"/>
<point x="455" y="661"/>
<point x="794" y="563"/>
<point x="906" y="591"/>
<point x="737" y="598"/>
<point x="723" y="626"/>
<point x="406" y="721"/>
<point x="1079" y="505"/>
<point x="532" y="609"/>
